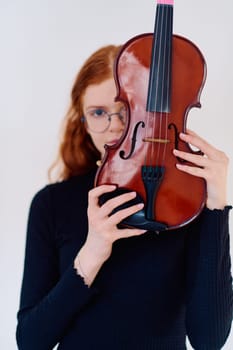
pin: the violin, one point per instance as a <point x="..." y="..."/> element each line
<point x="159" y="77"/>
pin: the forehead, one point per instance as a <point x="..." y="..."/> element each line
<point x="102" y="94"/>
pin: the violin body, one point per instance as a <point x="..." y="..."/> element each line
<point x="143" y="158"/>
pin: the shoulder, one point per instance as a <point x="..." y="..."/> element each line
<point x="65" y="192"/>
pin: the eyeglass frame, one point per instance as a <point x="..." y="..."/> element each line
<point x="109" y="118"/>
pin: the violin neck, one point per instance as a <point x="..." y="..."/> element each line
<point x="158" y="98"/>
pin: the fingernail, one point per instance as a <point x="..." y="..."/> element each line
<point x="132" y="194"/>
<point x="140" y="205"/>
<point x="179" y="166"/>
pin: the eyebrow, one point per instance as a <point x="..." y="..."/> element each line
<point x="96" y="106"/>
<point x="91" y="108"/>
<point x="121" y="105"/>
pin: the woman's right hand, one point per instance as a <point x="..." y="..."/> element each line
<point x="103" y="230"/>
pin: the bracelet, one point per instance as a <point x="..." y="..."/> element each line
<point x="80" y="271"/>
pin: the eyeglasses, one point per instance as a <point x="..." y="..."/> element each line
<point x="98" y="120"/>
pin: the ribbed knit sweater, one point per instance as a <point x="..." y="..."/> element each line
<point x="151" y="293"/>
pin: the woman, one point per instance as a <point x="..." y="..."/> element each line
<point x="84" y="287"/>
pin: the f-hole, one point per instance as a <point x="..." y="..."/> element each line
<point x="134" y="140"/>
<point x="176" y="139"/>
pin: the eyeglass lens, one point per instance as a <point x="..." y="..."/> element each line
<point x="98" y="120"/>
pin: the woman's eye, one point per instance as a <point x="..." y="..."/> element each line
<point x="98" y="112"/>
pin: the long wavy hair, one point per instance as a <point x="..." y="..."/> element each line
<point x="77" y="153"/>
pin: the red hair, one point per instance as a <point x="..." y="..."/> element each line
<point x="77" y="153"/>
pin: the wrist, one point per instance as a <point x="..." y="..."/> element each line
<point x="80" y="271"/>
<point x="216" y="204"/>
<point x="87" y="264"/>
<point x="97" y="248"/>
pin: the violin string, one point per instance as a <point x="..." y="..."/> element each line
<point x="165" y="83"/>
<point x="157" y="115"/>
<point x="161" y="59"/>
<point x="150" y="132"/>
<point x="162" y="113"/>
<point x="156" y="151"/>
<point x="169" y="25"/>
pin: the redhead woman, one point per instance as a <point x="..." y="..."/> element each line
<point x="90" y="285"/>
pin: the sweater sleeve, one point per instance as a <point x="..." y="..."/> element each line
<point x="48" y="302"/>
<point x="209" y="281"/>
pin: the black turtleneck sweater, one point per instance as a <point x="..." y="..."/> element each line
<point x="151" y="293"/>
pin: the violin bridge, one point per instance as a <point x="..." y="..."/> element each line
<point x="150" y="139"/>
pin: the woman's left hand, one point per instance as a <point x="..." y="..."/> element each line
<point x="212" y="166"/>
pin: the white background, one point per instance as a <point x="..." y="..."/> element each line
<point x="42" y="45"/>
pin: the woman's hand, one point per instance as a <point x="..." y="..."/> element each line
<point x="212" y="167"/>
<point x="103" y="230"/>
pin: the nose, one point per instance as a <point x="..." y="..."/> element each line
<point x="116" y="123"/>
